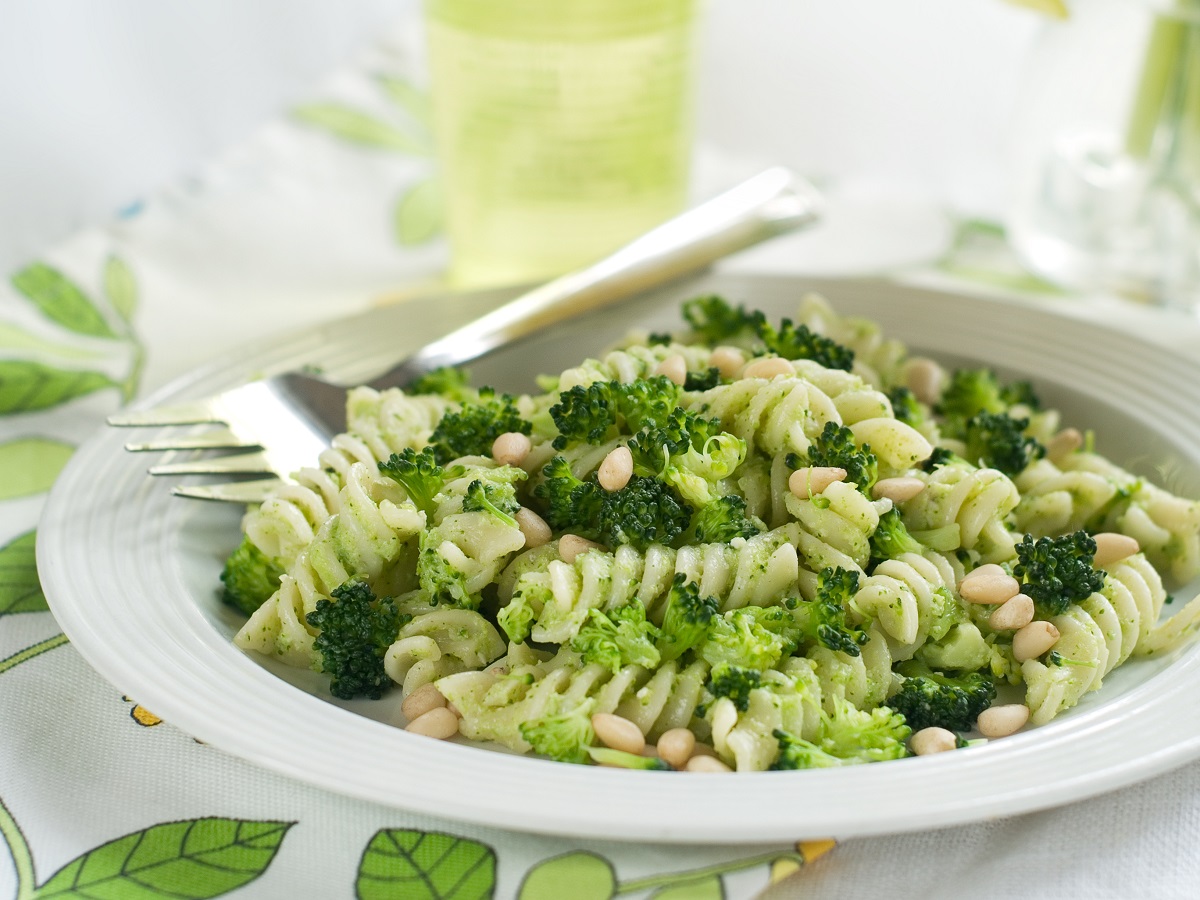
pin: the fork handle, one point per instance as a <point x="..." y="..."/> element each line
<point x="771" y="203"/>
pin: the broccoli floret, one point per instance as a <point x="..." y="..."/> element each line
<point x="716" y="322"/>
<point x="847" y="737"/>
<point x="562" y="735"/>
<point x="441" y="581"/>
<point x="755" y="637"/>
<point x="939" y="457"/>
<point x="659" y="338"/>
<point x="927" y="698"/>
<point x="446" y="381"/>
<point x="688" y="452"/>
<point x="702" y="381"/>
<point x="568" y="502"/>
<point x="596" y="412"/>
<point x="606" y="756"/>
<point x="1058" y="571"/>
<point x="618" y="638"/>
<point x="722" y="520"/>
<point x="418" y="473"/>
<point x="250" y="577"/>
<point x="734" y="682"/>
<point x="473" y="429"/>
<point x="997" y="440"/>
<point x="891" y="538"/>
<point x="797" y="753"/>
<point x="972" y="391"/>
<point x="686" y="621"/>
<point x="823" y="620"/>
<point x="905" y="405"/>
<point x="835" y="446"/>
<point x="355" y="631"/>
<point x="642" y="513"/>
<point x="499" y="499"/>
<point x="800" y="342"/>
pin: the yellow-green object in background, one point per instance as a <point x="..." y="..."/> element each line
<point x="563" y="129"/>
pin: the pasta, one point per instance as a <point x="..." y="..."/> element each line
<point x="752" y="531"/>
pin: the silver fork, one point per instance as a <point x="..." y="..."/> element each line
<point x="291" y="418"/>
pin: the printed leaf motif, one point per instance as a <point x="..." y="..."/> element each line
<point x="413" y="101"/>
<point x="419" y="213"/>
<point x="60" y="299"/>
<point x="194" y="859"/>
<point x="20" y="589"/>
<point x="30" y="465"/>
<point x="358" y="127"/>
<point x="121" y="287"/>
<point x="706" y="889"/>
<point x="26" y="386"/>
<point x="13" y="337"/>
<point x="425" y="865"/>
<point x="579" y="875"/>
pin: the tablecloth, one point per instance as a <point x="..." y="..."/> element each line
<point x="318" y="215"/>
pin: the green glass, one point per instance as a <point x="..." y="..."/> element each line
<point x="564" y="128"/>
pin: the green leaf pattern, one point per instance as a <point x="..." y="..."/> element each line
<point x="120" y="287"/>
<point x="30" y="465"/>
<point x="425" y="865"/>
<point x="61" y="300"/>
<point x="20" y="589"/>
<point x="419" y="213"/>
<point x="27" y="386"/>
<point x="579" y="875"/>
<point x="359" y="127"/>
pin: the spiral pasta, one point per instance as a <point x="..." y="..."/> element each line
<point x="968" y="504"/>
<point x="439" y="643"/>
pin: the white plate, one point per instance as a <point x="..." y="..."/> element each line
<point x="131" y="575"/>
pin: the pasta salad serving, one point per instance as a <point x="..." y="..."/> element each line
<point x="745" y="545"/>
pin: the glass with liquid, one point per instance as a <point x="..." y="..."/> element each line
<point x="564" y="128"/>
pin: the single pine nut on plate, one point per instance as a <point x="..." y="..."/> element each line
<point x="618" y="732"/>
<point x="769" y="367"/>
<point x="421" y="701"/>
<point x="534" y="527"/>
<point x="616" y="470"/>
<point x="1033" y="640"/>
<point x="897" y="489"/>
<point x="1015" y="612"/>
<point x="674" y="367"/>
<point x="932" y="740"/>
<point x="676" y="746"/>
<point x="438" y="723"/>
<point x="1112" y="548"/>
<point x="571" y="546"/>
<point x="1001" y="721"/>
<point x="511" y="448"/>
<point x="726" y="360"/>
<point x="924" y="378"/>
<point x="812" y="480"/>
<point x="705" y="764"/>
<point x="988" y="584"/>
<point x="1063" y="444"/>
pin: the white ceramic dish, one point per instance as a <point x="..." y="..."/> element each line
<point x="131" y="575"/>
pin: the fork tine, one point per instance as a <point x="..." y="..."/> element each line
<point x="180" y="414"/>
<point x="234" y="464"/>
<point x="242" y="492"/>
<point x="208" y="440"/>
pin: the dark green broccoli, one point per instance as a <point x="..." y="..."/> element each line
<point x="497" y="498"/>
<point x="688" y="452"/>
<point x="998" y="440"/>
<point x="847" y="737"/>
<point x="441" y="581"/>
<point x="716" y="322"/>
<point x="734" y="682"/>
<point x="642" y="513"/>
<point x="940" y="457"/>
<point x="1057" y="571"/>
<point x="659" y="338"/>
<point x="702" y="381"/>
<point x="835" y="447"/>
<point x="722" y="520"/>
<point x="686" y="621"/>
<point x="599" y="411"/>
<point x="563" y="735"/>
<point x="972" y="391"/>
<point x="654" y="445"/>
<point x="891" y="539"/>
<point x="471" y="430"/>
<point x="568" y="502"/>
<point x="447" y="381"/>
<point x="250" y="577"/>
<point x="800" y="342"/>
<point x="618" y="638"/>
<point x="928" y="698"/>
<point x="418" y="473"/>
<point x="355" y="630"/>
<point x="823" y="619"/>
<point x="905" y="405"/>
<point x="755" y="637"/>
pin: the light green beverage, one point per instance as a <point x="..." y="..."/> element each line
<point x="563" y="127"/>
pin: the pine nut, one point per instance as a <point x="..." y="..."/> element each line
<point x="676" y="746"/>
<point x="1015" y="612"/>
<point x="616" y="470"/>
<point x="674" y="367"/>
<point x="726" y="360"/>
<point x="705" y="764"/>
<point x="703" y="750"/>
<point x="770" y="367"/>
<point x="988" y="584"/>
<point x="932" y="740"/>
<point x="1063" y="444"/>
<point x="438" y="723"/>
<point x="618" y="732"/>
<point x="571" y="545"/>
<point x="534" y="527"/>
<point x="1112" y="548"/>
<point x="511" y="448"/>
<point x="421" y="701"/>
<point x="897" y="489"/>
<point x="812" y="480"/>
<point x="1001" y="721"/>
<point x="1033" y="640"/>
<point x="924" y="378"/>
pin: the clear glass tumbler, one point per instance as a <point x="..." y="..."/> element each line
<point x="563" y="127"/>
<point x="1107" y="142"/>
